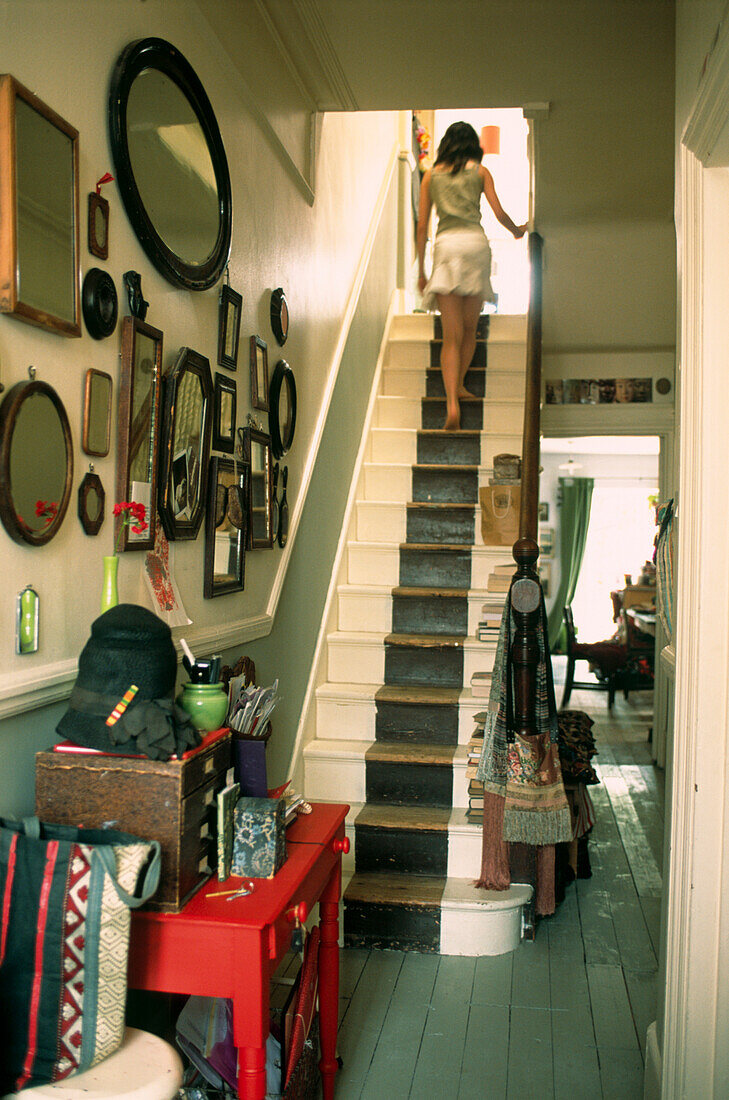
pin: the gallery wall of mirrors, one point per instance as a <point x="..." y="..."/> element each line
<point x="153" y="428"/>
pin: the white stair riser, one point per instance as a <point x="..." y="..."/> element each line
<point x="372" y="611"/>
<point x="501" y="385"/>
<point x="388" y="482"/>
<point x="381" y="522"/>
<point x="495" y="444"/>
<point x="506" y="328"/>
<point x="406" y="412"/>
<point x="506" y="357"/>
<point x="464" y="852"/>
<point x="330" y="779"/>
<point x="364" y="663"/>
<point x="392" y="445"/>
<point x="370" y="565"/>
<point x="474" y="933"/>
<point x="354" y="719"/>
<point x="412" y="326"/>
<point x="407" y="355"/>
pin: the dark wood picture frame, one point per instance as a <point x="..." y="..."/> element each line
<point x="259" y="374"/>
<point x="257" y="446"/>
<point x="230" y="309"/>
<point x="185" y="444"/>
<point x="12" y="519"/>
<point x="138" y="429"/>
<point x="90" y="484"/>
<point x="44" y="314"/>
<point x="282" y="394"/>
<point x="227" y="473"/>
<point x="225" y="413"/>
<point x="98" y="226"/>
<point x="279" y="315"/>
<point x="97" y="407"/>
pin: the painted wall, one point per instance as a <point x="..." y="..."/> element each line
<point x="279" y="239"/>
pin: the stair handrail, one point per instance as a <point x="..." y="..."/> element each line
<point x="526" y="593"/>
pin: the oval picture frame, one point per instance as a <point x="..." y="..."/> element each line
<point x="282" y="434"/>
<point x="279" y="315"/>
<point x="99" y="303"/>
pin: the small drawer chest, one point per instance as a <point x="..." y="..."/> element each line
<point x="171" y="801"/>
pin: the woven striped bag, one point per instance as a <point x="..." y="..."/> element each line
<point x="65" y="897"/>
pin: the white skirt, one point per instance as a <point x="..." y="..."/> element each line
<point x="461" y="265"/>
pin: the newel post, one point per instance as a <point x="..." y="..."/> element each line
<point x="525" y="601"/>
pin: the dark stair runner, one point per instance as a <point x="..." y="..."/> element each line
<point x="401" y="834"/>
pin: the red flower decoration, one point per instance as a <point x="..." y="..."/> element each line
<point x="132" y="515"/>
<point x="47" y="510"/>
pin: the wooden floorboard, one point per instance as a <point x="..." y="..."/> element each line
<point x="563" y="1016"/>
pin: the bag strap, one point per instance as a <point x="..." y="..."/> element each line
<point x="32" y="827"/>
<point x="149" y="883"/>
<point x="501" y="514"/>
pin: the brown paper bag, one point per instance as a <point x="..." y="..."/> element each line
<point x="500" y="514"/>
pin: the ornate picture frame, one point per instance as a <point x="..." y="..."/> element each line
<point x="259" y="373"/>
<point x="224" y="415"/>
<point x="230" y="308"/>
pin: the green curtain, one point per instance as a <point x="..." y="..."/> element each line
<point x="576" y="496"/>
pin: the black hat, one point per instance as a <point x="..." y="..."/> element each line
<point x="129" y="648"/>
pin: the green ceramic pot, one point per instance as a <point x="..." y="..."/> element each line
<point x="207" y="705"/>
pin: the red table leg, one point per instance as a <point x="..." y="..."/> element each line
<point x="250" y="1015"/>
<point x="329" y="979"/>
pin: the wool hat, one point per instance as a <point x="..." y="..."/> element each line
<point x="129" y="648"/>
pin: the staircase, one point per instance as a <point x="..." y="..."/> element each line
<point x="396" y="713"/>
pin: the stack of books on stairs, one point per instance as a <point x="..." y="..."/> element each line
<point x="475" y="786"/>
<point x="489" y="625"/>
<point x="500" y="578"/>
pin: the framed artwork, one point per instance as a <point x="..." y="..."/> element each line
<point x="98" y="226"/>
<point x="282" y="408"/>
<point x="544" y="511"/>
<point x="545" y="577"/>
<point x="185" y="431"/>
<point x="279" y="315"/>
<point x="138" y="418"/>
<point x="259" y="374"/>
<point x="226" y="526"/>
<point x="257" y="453"/>
<point x="225" y="414"/>
<point x="229" y="313"/>
<point x="546" y="542"/>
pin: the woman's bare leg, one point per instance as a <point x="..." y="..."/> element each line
<point x="451" y="312"/>
<point x="471" y="311"/>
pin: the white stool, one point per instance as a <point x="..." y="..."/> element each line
<point x="143" y="1068"/>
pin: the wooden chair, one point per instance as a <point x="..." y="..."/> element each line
<point x="608" y="659"/>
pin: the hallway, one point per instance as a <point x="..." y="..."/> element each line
<point x="564" y="1016"/>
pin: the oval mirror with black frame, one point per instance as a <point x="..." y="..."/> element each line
<point x="139" y="403"/>
<point x="226" y="527"/>
<point x="170" y="163"/>
<point x="279" y="315"/>
<point x="187" y="419"/>
<point x="96" y="435"/>
<point x="257" y="453"/>
<point x="282" y="408"/>
<point x="36" y="462"/>
<point x="91" y="497"/>
<point x="99" y="303"/>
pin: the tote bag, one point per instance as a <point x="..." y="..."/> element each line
<point x="500" y="514"/>
<point x="65" y="896"/>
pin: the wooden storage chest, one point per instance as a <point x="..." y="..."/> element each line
<point x="173" y="802"/>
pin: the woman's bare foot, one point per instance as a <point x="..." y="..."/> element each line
<point x="453" y="422"/>
<point x="463" y="392"/>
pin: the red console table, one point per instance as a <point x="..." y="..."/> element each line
<point x="220" y="948"/>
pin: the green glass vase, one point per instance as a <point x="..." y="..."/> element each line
<point x="207" y="705"/>
<point x="109" y="593"/>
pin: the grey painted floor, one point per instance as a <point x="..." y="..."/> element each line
<point x="564" y="1016"/>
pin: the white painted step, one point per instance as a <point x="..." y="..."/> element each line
<point x="406" y="412"/>
<point x="379" y="563"/>
<point x="380" y="520"/>
<point x="358" y="657"/>
<point x="503" y="327"/>
<point x="415" y="355"/>
<point x="388" y="481"/>
<point x="349" y="710"/>
<point x="369" y="607"/>
<point x="400" y="445"/>
<point x="500" y="384"/>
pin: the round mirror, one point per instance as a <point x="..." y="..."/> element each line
<point x="170" y="163"/>
<point x="36" y="462"/>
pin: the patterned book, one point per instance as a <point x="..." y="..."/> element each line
<point x="227" y="801"/>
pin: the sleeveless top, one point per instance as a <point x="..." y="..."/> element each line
<point x="457" y="198"/>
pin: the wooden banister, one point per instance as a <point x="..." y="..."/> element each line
<point x="526" y="590"/>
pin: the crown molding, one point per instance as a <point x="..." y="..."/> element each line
<point x="707" y="124"/>
<point x="330" y="68"/>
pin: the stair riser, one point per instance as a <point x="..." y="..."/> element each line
<point x="399" y="784"/>
<point x="483" y="327"/>
<point x="407" y="355"/>
<point x="429" y="615"/>
<point x="398" y="412"/>
<point x="371" y="613"/>
<point x="334" y="780"/>
<point x="388" y="482"/>
<point x="391" y="927"/>
<point x="356" y="664"/>
<point x="440" y="525"/>
<point x="393" y="445"/>
<point x="505" y="386"/>
<point x="412" y="326"/>
<point x="401" y="851"/>
<point x="373" y="565"/>
<point x="479" y="356"/>
<point x="416" y="723"/>
<point x="449" y="450"/>
<point x="475" y="383"/>
<point x="381" y="522"/>
<point x="429" y="569"/>
<point x="433" y="414"/>
<point x="418" y="665"/>
<point x="350" y="721"/>
<point x="444" y="486"/>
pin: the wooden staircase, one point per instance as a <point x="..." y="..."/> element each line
<point x="395" y="716"/>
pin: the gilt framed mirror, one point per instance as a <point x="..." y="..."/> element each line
<point x="36" y="462"/>
<point x="187" y="419"/>
<point x="225" y="413"/>
<point x="257" y="452"/>
<point x="170" y="163"/>
<point x="39" y="244"/>
<point x="226" y="526"/>
<point x="259" y="374"/>
<point x="139" y="405"/>
<point x="96" y="435"/>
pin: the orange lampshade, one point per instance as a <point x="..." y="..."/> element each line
<point x="490" y="139"/>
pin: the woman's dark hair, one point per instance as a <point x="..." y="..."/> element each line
<point x="458" y="145"/>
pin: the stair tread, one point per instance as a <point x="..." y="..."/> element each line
<point x="432" y="466"/>
<point x="440" y="546"/>
<point x="464" y="400"/>
<point x="377" y="815"/>
<point x="427" y="641"/>
<point x="408" y="694"/>
<point x="394" y="889"/>
<point x="440" y="505"/>
<point x="423" y="592"/>
<point x="409" y="752"/>
<point x="441" y="432"/>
